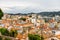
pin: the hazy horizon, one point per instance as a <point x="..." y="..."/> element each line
<point x="27" y="6"/>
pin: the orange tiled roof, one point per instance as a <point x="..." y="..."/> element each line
<point x="58" y="36"/>
<point x="24" y="25"/>
<point x="19" y="36"/>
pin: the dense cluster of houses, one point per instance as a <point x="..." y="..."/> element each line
<point x="48" y="27"/>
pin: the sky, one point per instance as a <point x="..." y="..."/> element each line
<point x="26" y="6"/>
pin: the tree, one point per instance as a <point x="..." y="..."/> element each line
<point x="1" y="14"/>
<point x="35" y="37"/>
<point x="4" y="31"/>
<point x="24" y="19"/>
<point x="1" y="38"/>
<point x="13" y="33"/>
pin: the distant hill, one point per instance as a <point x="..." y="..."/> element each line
<point x="41" y="13"/>
<point x="49" y="13"/>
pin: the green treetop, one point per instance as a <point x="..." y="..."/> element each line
<point x="1" y="13"/>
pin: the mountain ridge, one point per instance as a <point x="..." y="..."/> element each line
<point x="40" y="13"/>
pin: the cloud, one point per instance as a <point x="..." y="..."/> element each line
<point x="25" y="6"/>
